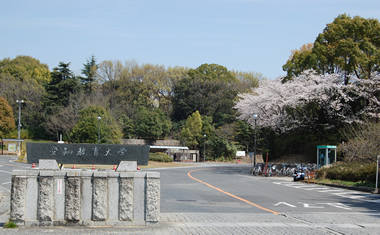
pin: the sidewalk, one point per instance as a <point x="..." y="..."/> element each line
<point x="206" y="223"/>
<point x="220" y="223"/>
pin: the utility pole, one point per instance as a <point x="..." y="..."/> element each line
<point x="255" y="117"/>
<point x="19" y="124"/>
<point x="204" y="148"/>
<point x="99" y="129"/>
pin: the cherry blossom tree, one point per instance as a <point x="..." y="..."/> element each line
<point x="311" y="101"/>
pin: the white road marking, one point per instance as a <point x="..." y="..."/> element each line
<point x="307" y="205"/>
<point x="337" y="192"/>
<point x="6" y="172"/>
<point x="286" y="204"/>
<point x="312" y="206"/>
<point x="316" y="189"/>
<point x="5" y="189"/>
<point x="331" y="190"/>
<point x="338" y="205"/>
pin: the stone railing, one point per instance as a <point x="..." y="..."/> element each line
<point x="49" y="196"/>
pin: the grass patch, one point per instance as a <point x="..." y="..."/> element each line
<point x="10" y="224"/>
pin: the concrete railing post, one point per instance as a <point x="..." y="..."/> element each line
<point x="73" y="197"/>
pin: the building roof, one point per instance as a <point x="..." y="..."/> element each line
<point x="169" y="147"/>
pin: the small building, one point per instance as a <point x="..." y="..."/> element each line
<point x="170" y="147"/>
<point x="178" y="153"/>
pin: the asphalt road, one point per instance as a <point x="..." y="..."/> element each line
<point x="229" y="188"/>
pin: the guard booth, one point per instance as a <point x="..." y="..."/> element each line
<point x="326" y="155"/>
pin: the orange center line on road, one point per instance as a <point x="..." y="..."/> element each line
<point x="229" y="194"/>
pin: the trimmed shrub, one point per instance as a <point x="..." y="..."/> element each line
<point x="349" y="171"/>
<point x="159" y="157"/>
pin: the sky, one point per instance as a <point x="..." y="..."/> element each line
<point x="244" y="35"/>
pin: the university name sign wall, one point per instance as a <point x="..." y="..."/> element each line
<point x="107" y="154"/>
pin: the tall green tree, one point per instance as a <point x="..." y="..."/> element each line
<point x="153" y="82"/>
<point x="146" y="85"/>
<point x="87" y="128"/>
<point x="23" y="78"/>
<point x="211" y="72"/>
<point x="63" y="84"/>
<point x="191" y="133"/>
<point x="245" y="135"/>
<point x="222" y="143"/>
<point x="129" y="96"/>
<point x="210" y="89"/>
<point x="151" y="123"/>
<point x="24" y="68"/>
<point x="299" y="61"/>
<point x="348" y="45"/>
<point x="89" y="72"/>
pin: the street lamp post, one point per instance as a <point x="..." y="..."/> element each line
<point x="99" y="129"/>
<point x="19" y="122"/>
<point x="255" y="117"/>
<point x="377" y="175"/>
<point x="204" y="148"/>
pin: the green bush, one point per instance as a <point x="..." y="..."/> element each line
<point x="349" y="171"/>
<point x="159" y="157"/>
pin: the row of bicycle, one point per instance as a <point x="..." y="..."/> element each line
<point x="282" y="169"/>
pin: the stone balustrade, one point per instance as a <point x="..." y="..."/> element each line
<point x="52" y="197"/>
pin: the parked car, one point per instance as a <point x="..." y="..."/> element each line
<point x="298" y="176"/>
